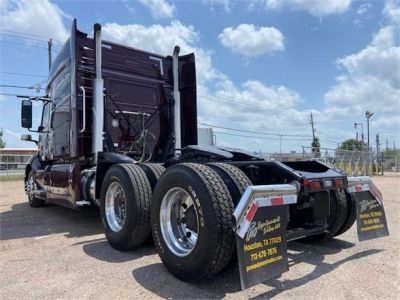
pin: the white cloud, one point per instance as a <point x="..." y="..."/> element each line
<point x="159" y="8"/>
<point x="314" y="7"/>
<point x="363" y="8"/>
<point x="391" y="11"/>
<point x="370" y="81"/>
<point x="226" y="4"/>
<point x="381" y="59"/>
<point x="39" y="17"/>
<point x="251" y="41"/>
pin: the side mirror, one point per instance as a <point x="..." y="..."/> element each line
<point x="28" y="138"/>
<point x="26" y="114"/>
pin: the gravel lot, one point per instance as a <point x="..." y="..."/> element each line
<point x="54" y="252"/>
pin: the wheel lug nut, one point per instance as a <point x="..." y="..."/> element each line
<point x="183" y="220"/>
<point x="184" y="205"/>
<point x="188" y="234"/>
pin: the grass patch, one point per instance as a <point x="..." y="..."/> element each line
<point x="11" y="178"/>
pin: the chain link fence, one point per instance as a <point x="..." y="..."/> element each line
<point x="353" y="162"/>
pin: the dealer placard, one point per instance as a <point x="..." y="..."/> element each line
<point x="262" y="253"/>
<point x="371" y="219"/>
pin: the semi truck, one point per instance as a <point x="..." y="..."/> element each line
<point x="118" y="131"/>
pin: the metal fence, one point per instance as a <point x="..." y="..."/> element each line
<point x="354" y="162"/>
<point x="13" y="161"/>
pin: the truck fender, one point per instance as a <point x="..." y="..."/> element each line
<point x="104" y="161"/>
<point x="34" y="164"/>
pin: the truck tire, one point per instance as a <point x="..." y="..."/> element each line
<point x="127" y="222"/>
<point x="336" y="219"/>
<point x="191" y="221"/>
<point x="153" y="172"/>
<point x="29" y="187"/>
<point x="351" y="212"/>
<point x="235" y="179"/>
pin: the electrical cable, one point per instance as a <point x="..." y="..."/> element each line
<point x="23" y="74"/>
<point x="257" y="132"/>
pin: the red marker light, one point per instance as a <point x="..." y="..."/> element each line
<point x="315" y="184"/>
<point x="338" y="181"/>
<point x="306" y="182"/>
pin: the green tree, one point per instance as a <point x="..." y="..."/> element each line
<point x="2" y="142"/>
<point x="351" y="144"/>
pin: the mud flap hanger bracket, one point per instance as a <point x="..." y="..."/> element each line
<point x="358" y="184"/>
<point x="261" y="196"/>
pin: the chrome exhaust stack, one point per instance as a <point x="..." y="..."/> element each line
<point x="98" y="97"/>
<point x="177" y="103"/>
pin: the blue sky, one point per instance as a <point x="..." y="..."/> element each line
<point x="262" y="65"/>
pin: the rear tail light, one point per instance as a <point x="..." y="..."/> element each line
<point x="315" y="184"/>
<point x="339" y="182"/>
<point x="306" y="182"/>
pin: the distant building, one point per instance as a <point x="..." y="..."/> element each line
<point x="205" y="137"/>
<point x="13" y="160"/>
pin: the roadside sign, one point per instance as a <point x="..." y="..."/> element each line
<point x="262" y="252"/>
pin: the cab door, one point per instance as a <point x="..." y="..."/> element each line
<point x="60" y="93"/>
<point x="45" y="142"/>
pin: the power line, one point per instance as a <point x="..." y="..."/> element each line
<point x="23" y="74"/>
<point x="256" y="137"/>
<point x="225" y="99"/>
<point x="35" y="86"/>
<point x="249" y="131"/>
<point x="28" y="35"/>
<point x="9" y="35"/>
<point x="22" y="44"/>
<point x="17" y="95"/>
<point x="14" y="86"/>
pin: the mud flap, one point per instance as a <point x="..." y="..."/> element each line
<point x="260" y="219"/>
<point x="371" y="219"/>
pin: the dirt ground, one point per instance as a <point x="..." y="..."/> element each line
<point x="54" y="252"/>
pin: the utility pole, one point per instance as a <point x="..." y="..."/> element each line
<point x="368" y="115"/>
<point x="49" y="46"/>
<point x="312" y="126"/>
<point x="378" y="160"/>
<point x="315" y="145"/>
<point x="387" y="144"/>
<point x="362" y="133"/>
<point x="377" y="144"/>
<point x="395" y="156"/>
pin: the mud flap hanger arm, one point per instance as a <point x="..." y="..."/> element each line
<point x="261" y="196"/>
<point x="358" y="184"/>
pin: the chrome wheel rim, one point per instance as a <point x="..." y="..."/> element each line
<point x="29" y="186"/>
<point x="115" y="206"/>
<point x="179" y="221"/>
